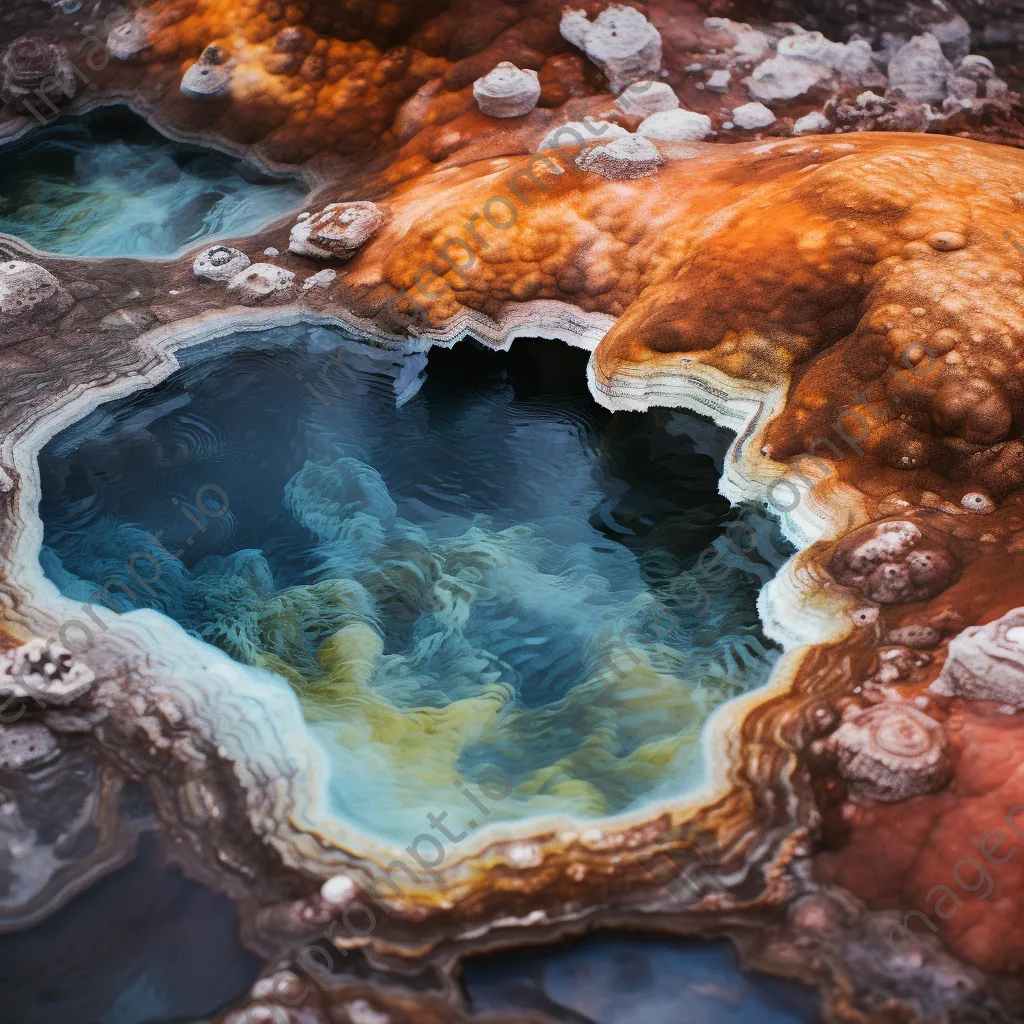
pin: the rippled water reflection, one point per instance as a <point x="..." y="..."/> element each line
<point x="487" y="573"/>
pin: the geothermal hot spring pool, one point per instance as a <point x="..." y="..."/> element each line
<point x="467" y="572"/>
<point x="107" y="184"/>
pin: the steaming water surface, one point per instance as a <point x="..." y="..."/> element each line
<point x="467" y="572"/>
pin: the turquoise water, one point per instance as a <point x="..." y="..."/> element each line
<point x="108" y="185"/>
<point x="462" y="566"/>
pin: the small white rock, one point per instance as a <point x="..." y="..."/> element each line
<point x="260" y="280"/>
<point x="507" y="91"/>
<point x="631" y="157"/>
<point x="816" y="122"/>
<point x="220" y="263"/>
<point x="271" y="252"/>
<point x="752" y="115"/>
<point x="745" y="42"/>
<point x="204" y="81"/>
<point x="868" y="98"/>
<point x="127" y="40"/>
<point x="321" y="279"/>
<point x="718" y="81"/>
<point x="645" y="98"/>
<point x="919" y="69"/>
<point x="676" y="126"/>
<point x="785" y="78"/>
<point x="620" y="41"/>
<point x="337" y="231"/>
<point x="26" y="745"/>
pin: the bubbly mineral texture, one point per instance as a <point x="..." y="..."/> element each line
<point x="848" y="302"/>
<point x="892" y="563"/>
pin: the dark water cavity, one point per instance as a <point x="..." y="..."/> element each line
<point x="460" y="565"/>
<point x="144" y="945"/>
<point x="109" y="185"/>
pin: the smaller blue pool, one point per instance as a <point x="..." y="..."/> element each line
<point x="109" y="185"/>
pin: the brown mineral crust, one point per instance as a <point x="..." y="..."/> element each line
<point x="895" y="855"/>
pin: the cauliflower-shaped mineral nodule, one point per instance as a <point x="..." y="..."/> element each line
<point x="893" y="563"/>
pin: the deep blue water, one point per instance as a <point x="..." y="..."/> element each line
<point x="109" y="185"/>
<point x="486" y="571"/>
<point x="145" y="945"/>
<point x="634" y="979"/>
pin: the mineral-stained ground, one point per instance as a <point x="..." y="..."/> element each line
<point x="506" y="506"/>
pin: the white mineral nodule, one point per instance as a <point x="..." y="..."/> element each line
<point x="27" y="286"/>
<point x="622" y="159"/>
<point x="48" y="674"/>
<point x="338" y="890"/>
<point x="919" y="70"/>
<point x="321" y="279"/>
<point x="620" y="41"/>
<point x="260" y="280"/>
<point x="337" y="231"/>
<point x="676" y="126"/>
<point x="987" y="662"/>
<point x="816" y="122"/>
<point x="220" y="263"/>
<point x="745" y="43"/>
<point x="26" y="745"/>
<point x="205" y="81"/>
<point x="127" y="40"/>
<point x="891" y="752"/>
<point x="718" y="81"/>
<point x="576" y="133"/>
<point x="785" y="78"/>
<point x="645" y="98"/>
<point x="752" y="115"/>
<point x="507" y="91"/>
